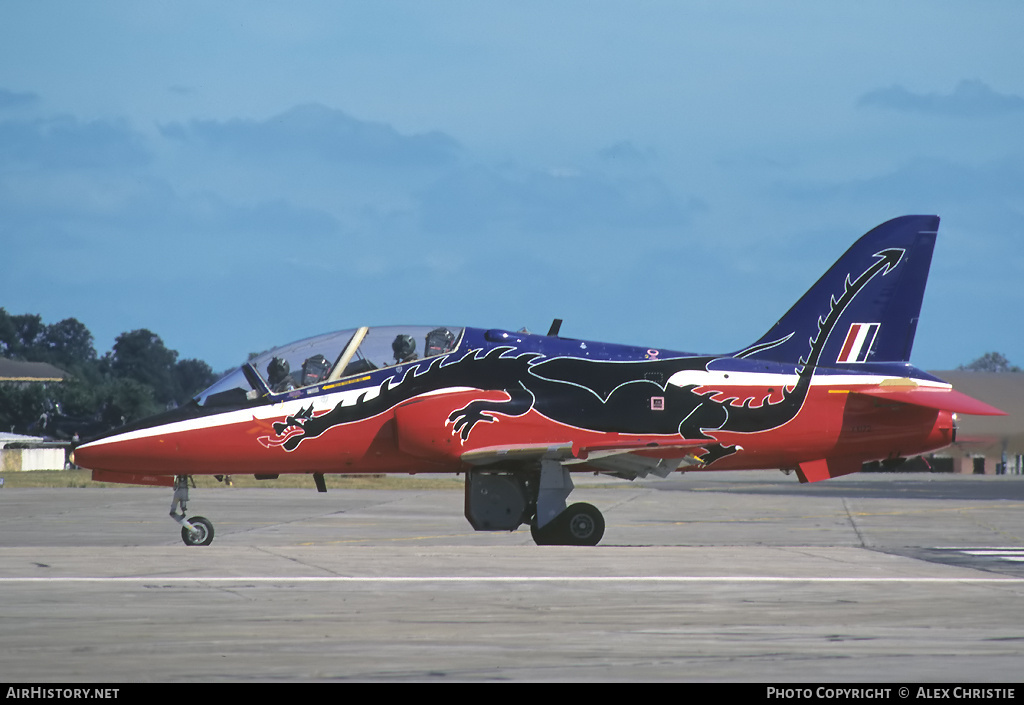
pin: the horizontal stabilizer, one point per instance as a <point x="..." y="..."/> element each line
<point x="932" y="398"/>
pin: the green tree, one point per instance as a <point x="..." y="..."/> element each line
<point x="990" y="362"/>
<point x="193" y="376"/>
<point x="20" y="335"/>
<point x="126" y="400"/>
<point x="141" y="355"/>
<point x="21" y="406"/>
<point x="68" y="344"/>
<point x="6" y="333"/>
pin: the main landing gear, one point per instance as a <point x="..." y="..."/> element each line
<point x="197" y="531"/>
<point x="503" y="499"/>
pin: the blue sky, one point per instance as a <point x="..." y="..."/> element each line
<point x="236" y="175"/>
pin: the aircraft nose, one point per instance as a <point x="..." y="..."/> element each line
<point x="95" y="455"/>
<point x="121" y="453"/>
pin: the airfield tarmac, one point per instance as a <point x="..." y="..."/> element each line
<point x="716" y="577"/>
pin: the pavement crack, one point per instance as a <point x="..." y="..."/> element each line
<point x="853" y="524"/>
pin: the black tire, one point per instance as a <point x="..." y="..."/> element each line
<point x="203" y="534"/>
<point x="581" y="524"/>
<point x="550" y="535"/>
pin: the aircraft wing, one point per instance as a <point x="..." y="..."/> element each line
<point x="626" y="459"/>
<point x="526" y="451"/>
<point x="932" y="398"/>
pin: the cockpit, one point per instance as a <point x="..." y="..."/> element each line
<point x="327" y="358"/>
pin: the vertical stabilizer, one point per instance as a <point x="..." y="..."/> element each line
<point x="865" y="308"/>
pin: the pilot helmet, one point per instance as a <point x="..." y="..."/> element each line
<point x="404" y="347"/>
<point x="277" y="370"/>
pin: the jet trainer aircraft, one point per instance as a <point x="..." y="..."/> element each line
<point x="828" y="388"/>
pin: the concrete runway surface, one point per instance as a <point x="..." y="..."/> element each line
<point x="730" y="577"/>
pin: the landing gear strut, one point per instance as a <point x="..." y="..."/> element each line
<point x="197" y="531"/>
<point x="503" y="499"/>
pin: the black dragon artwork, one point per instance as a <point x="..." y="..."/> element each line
<point x="598" y="395"/>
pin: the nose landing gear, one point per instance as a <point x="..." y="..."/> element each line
<point x="197" y="531"/>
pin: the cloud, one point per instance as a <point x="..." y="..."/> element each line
<point x="13" y="99"/>
<point x="320" y="132"/>
<point x="67" y="142"/>
<point x="478" y="199"/>
<point x="625" y="152"/>
<point x="926" y="181"/>
<point x="142" y="228"/>
<point x="968" y="99"/>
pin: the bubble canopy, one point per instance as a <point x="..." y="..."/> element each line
<point x="329" y="357"/>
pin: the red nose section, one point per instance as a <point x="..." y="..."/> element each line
<point x="123" y="461"/>
<point x="154" y="455"/>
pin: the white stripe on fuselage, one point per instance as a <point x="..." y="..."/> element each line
<point x="732" y="378"/>
<point x="275" y="411"/>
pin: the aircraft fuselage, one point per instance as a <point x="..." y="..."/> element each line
<point x="501" y="389"/>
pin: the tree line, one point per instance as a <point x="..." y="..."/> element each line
<point x="139" y="377"/>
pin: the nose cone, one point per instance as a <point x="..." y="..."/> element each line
<point x="149" y="445"/>
<point x="120" y="459"/>
<point x="126" y="452"/>
<point x="179" y="444"/>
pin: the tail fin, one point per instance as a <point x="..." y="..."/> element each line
<point x="865" y="308"/>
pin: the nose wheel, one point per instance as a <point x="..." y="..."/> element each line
<point x="201" y="533"/>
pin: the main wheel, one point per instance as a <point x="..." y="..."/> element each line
<point x="203" y="534"/>
<point x="550" y="535"/>
<point x="583" y="524"/>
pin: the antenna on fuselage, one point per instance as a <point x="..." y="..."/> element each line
<point x="556" y="325"/>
